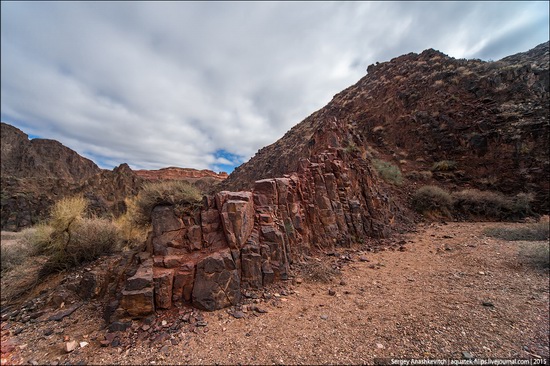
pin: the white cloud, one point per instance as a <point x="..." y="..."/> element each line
<point x="207" y="84"/>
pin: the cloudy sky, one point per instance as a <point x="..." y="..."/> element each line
<point x="206" y="84"/>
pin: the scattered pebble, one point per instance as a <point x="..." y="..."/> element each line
<point x="70" y="346"/>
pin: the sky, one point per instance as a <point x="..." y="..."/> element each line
<point x="205" y="85"/>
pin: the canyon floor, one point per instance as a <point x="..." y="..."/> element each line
<point x="445" y="291"/>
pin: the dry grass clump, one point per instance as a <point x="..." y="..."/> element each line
<point x="493" y="205"/>
<point x="536" y="247"/>
<point x="530" y="232"/>
<point x="316" y="271"/>
<point x="17" y="247"/>
<point x="131" y="233"/>
<point x="432" y="200"/>
<point x="177" y="193"/>
<point x="444" y="166"/>
<point x="389" y="172"/>
<point x="422" y="175"/>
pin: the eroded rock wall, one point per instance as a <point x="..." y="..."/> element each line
<point x="248" y="239"/>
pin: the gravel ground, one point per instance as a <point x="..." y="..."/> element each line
<point x="444" y="292"/>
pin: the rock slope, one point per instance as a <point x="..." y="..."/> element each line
<point x="489" y="118"/>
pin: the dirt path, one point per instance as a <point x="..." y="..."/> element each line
<point x="452" y="293"/>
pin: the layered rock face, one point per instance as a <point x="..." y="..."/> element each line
<point x="248" y="239"/>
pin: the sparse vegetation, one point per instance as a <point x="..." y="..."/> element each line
<point x="315" y="270"/>
<point x="536" y="249"/>
<point x="351" y="148"/>
<point x="74" y="238"/>
<point x="388" y="172"/>
<point x="530" y="232"/>
<point x="489" y="204"/>
<point x="444" y="166"/>
<point x="422" y="175"/>
<point x="432" y="200"/>
<point x="181" y="194"/>
<point x="472" y="203"/>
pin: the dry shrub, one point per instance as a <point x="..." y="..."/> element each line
<point x="130" y="232"/>
<point x="422" y="175"/>
<point x="178" y="193"/>
<point x="536" y="248"/>
<point x="530" y="232"/>
<point x="70" y="239"/>
<point x="21" y="278"/>
<point x="86" y="240"/>
<point x="444" y="166"/>
<point x="389" y="172"/>
<point x="66" y="211"/>
<point x="492" y="205"/>
<point x="432" y="200"/>
<point x="316" y="271"/>
<point x="536" y="253"/>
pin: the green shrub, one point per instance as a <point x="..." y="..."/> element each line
<point x="389" y="172"/>
<point x="493" y="205"/>
<point x="181" y="194"/>
<point x="432" y="200"/>
<point x="443" y="166"/>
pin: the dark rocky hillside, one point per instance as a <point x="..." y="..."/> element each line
<point x="41" y="158"/>
<point x="490" y="119"/>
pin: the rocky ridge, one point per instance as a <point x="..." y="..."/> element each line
<point x="179" y="173"/>
<point x="489" y="118"/>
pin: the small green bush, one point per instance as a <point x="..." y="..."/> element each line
<point x="181" y="194"/>
<point x="389" y="172"/>
<point x="432" y="200"/>
<point x="493" y="205"/>
<point x="444" y="166"/>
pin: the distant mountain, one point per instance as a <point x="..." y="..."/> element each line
<point x="488" y="120"/>
<point x="24" y="158"/>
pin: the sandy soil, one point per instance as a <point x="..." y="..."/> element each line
<point x="449" y="293"/>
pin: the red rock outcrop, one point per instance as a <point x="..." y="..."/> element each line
<point x="248" y="239"/>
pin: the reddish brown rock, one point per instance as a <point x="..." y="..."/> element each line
<point x="163" y="280"/>
<point x="184" y="279"/>
<point x="217" y="282"/>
